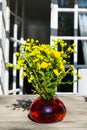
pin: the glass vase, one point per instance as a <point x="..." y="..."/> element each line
<point x="47" y="111"/>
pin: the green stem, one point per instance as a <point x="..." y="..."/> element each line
<point x="37" y="79"/>
<point x="62" y="77"/>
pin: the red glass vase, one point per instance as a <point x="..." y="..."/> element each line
<point x="47" y="111"/>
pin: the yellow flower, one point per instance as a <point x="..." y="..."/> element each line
<point x="56" y="72"/>
<point x="74" y="45"/>
<point x="37" y="41"/>
<point x="26" y="44"/>
<point x="28" y="40"/>
<point x="57" y="54"/>
<point x="64" y="61"/>
<point x="72" y="67"/>
<point x="9" y="65"/>
<point x="72" y="73"/>
<point x="50" y="64"/>
<point x="35" y="60"/>
<point x="31" y="78"/>
<point x="79" y="77"/>
<point x="17" y="53"/>
<point x="35" y="47"/>
<point x="32" y="40"/>
<point x="24" y="74"/>
<point x="43" y="65"/>
<point x="17" y="67"/>
<point x="69" y="49"/>
<point x="27" y="48"/>
<point x="62" y="68"/>
<point x="20" y="62"/>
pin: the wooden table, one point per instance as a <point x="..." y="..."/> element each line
<point x="14" y="114"/>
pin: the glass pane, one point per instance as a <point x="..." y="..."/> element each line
<point x="12" y="24"/>
<point x="12" y="5"/>
<point x="66" y="3"/>
<point x="10" y="60"/>
<point x="19" y="7"/>
<point x="12" y="20"/>
<point x="10" y="69"/>
<point x="66" y="87"/>
<point x="82" y="52"/>
<point x="82" y="29"/>
<point x="65" y="24"/>
<point x="19" y="33"/>
<point x="82" y="3"/>
<point x="69" y="43"/>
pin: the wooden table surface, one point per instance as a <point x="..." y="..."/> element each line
<point x="14" y="113"/>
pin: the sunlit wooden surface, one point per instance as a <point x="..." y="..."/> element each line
<point x="14" y="114"/>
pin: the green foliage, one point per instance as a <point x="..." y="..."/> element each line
<point x="44" y="65"/>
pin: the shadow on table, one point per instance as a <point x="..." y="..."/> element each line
<point x="22" y="103"/>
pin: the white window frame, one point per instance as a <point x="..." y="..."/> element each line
<point x="54" y="25"/>
<point x="15" y="41"/>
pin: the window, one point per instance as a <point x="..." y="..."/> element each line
<point x="15" y="39"/>
<point x="66" y="19"/>
<point x="68" y="22"/>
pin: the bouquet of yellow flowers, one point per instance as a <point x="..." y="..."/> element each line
<point x="44" y="65"/>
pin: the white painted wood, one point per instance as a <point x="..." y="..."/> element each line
<point x="76" y="42"/>
<point x="83" y="32"/>
<point x="22" y="39"/>
<point x="75" y="38"/>
<point x="54" y="15"/>
<point x="0" y="44"/>
<point x="72" y="9"/>
<point x="14" y="58"/>
<point x="69" y="37"/>
<point x="15" y="41"/>
<point x="54" y="18"/>
<point x="82" y="84"/>
<point x="7" y="51"/>
<point x="15" y="49"/>
<point x="14" y="91"/>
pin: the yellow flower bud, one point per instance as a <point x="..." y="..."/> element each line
<point x="69" y="49"/>
<point x="24" y="74"/>
<point x="28" y="40"/>
<point x="35" y="60"/>
<point x="9" y="65"/>
<point x="56" y="72"/>
<point x="17" y="53"/>
<point x="31" y="79"/>
<point x="72" y="73"/>
<point x="17" y="67"/>
<point x="79" y="77"/>
<point x="37" y="41"/>
<point x="62" y="68"/>
<point x="72" y="67"/>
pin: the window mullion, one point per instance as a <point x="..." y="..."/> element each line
<point x="22" y="39"/>
<point x="54" y="19"/>
<point x="14" y="50"/>
<point x="76" y="42"/>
